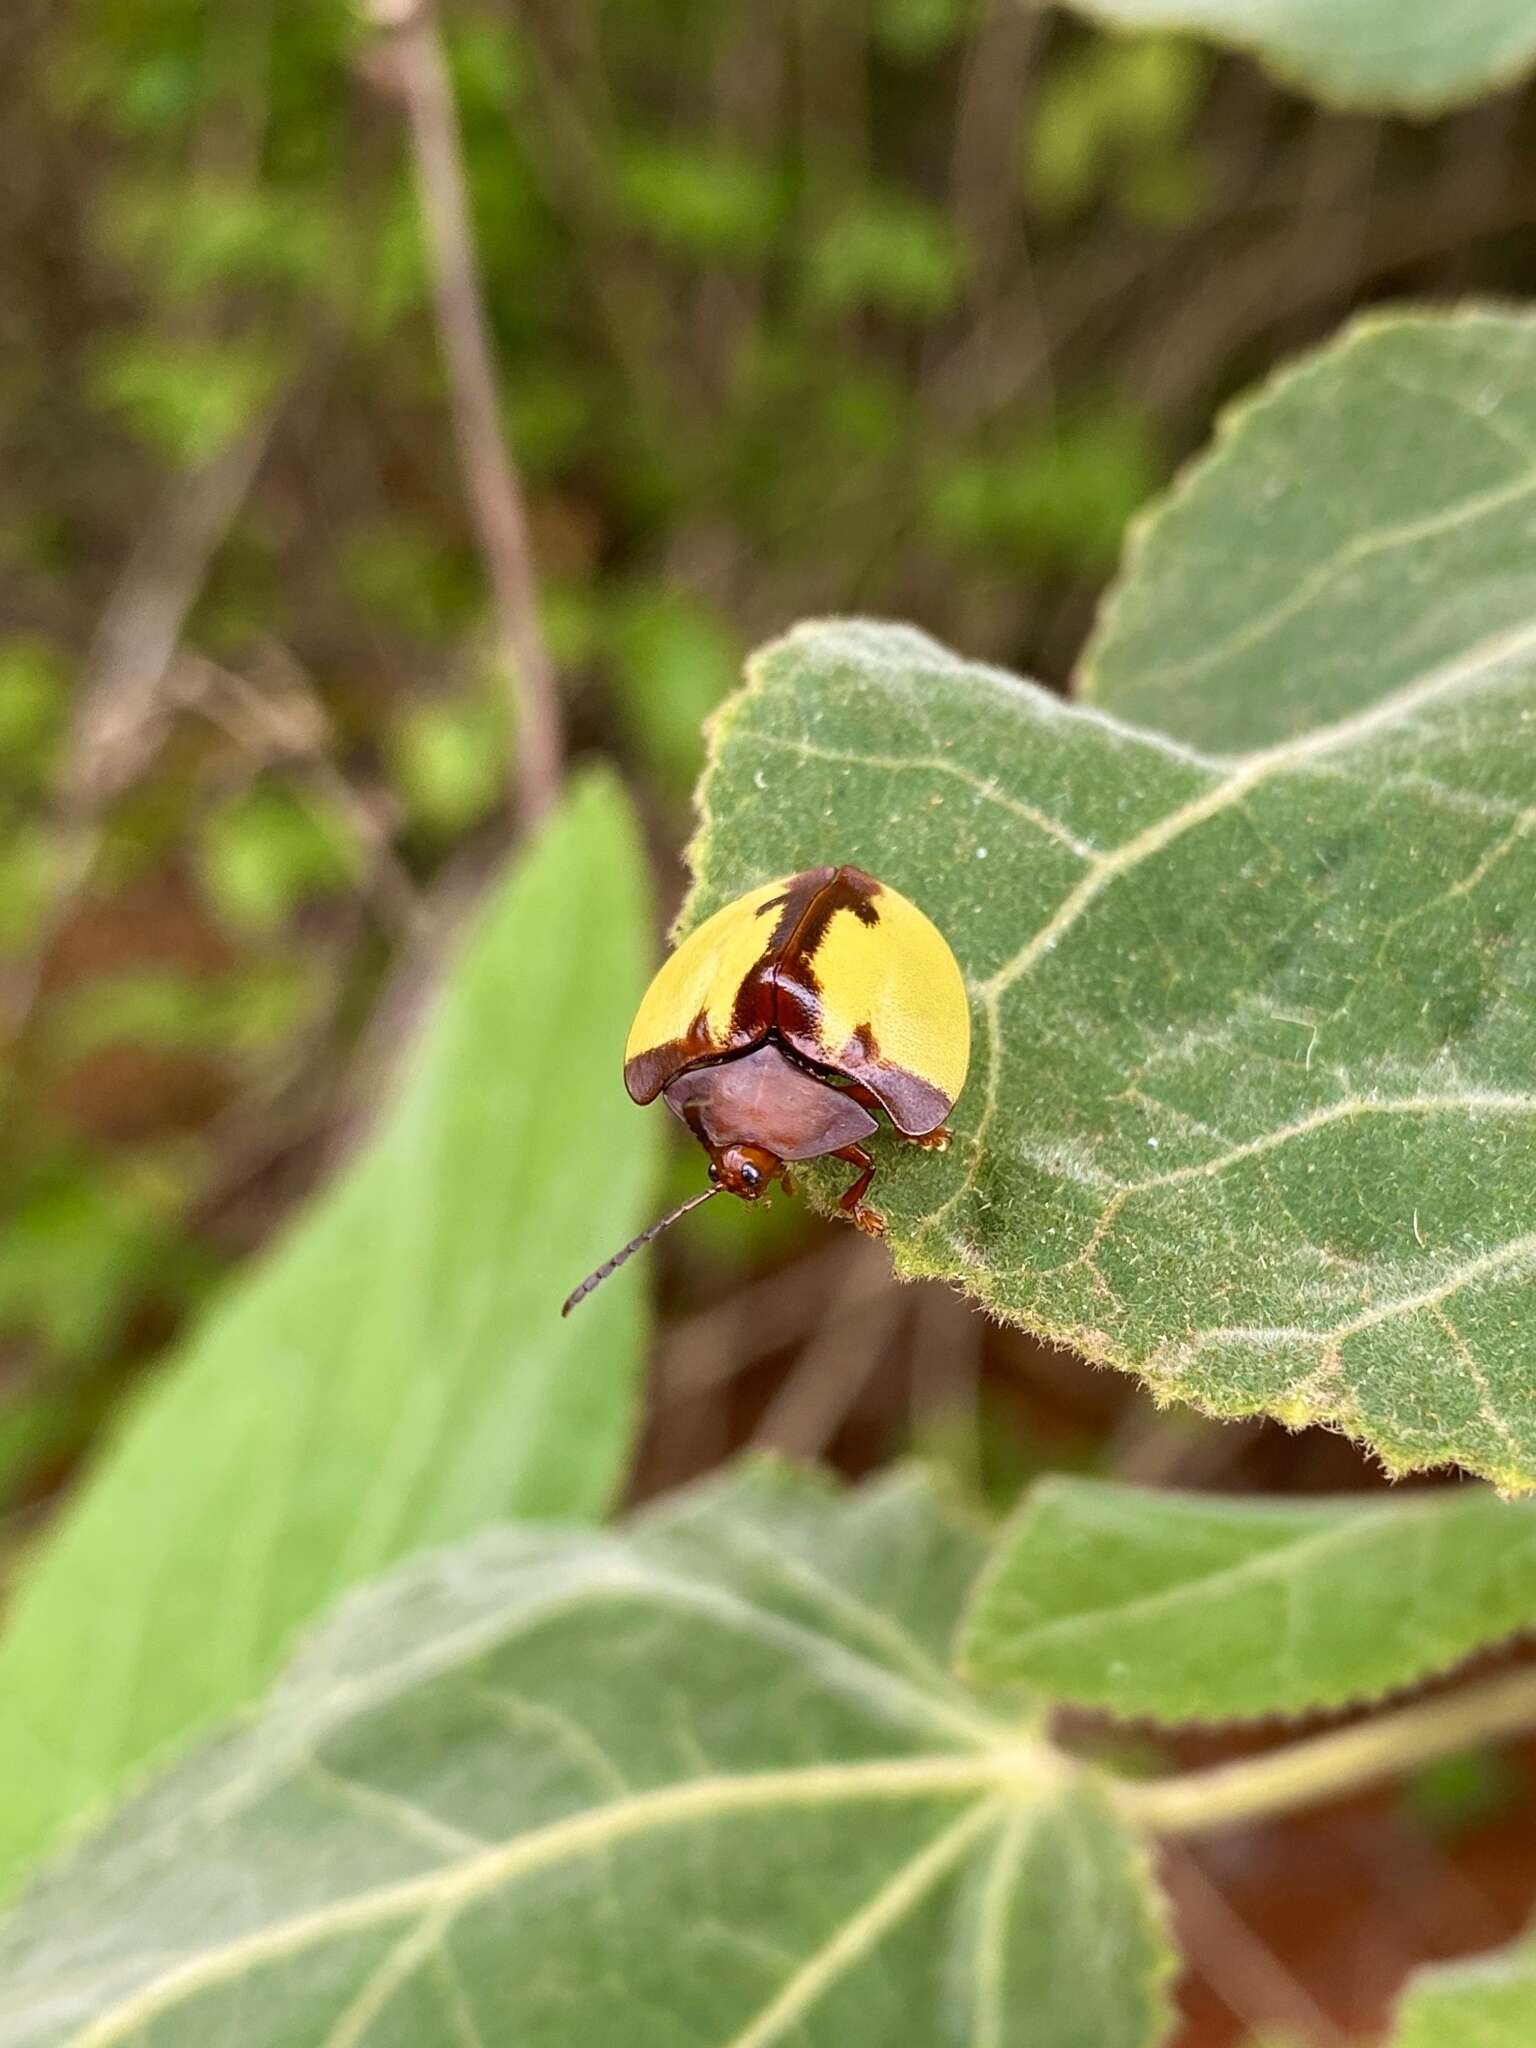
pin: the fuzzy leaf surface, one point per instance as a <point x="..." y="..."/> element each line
<point x="1410" y="56"/>
<point x="1250" y="1110"/>
<point x="397" y="1373"/>
<point x="1361" y="520"/>
<point x="1191" y="1607"/>
<point x="704" y="1785"/>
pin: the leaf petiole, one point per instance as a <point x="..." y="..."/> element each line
<point x="1331" y="1765"/>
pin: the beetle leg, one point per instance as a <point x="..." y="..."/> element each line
<point x="851" y="1201"/>
<point x="934" y="1141"/>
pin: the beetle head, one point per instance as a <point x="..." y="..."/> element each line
<point x="745" y="1170"/>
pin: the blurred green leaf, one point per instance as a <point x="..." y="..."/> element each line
<point x="988" y="1456"/>
<point x="674" y="660"/>
<point x="211" y="237"/>
<point x="571" y="608"/>
<point x="1487" y="2002"/>
<point x="1362" y="520"/>
<point x="1458" y="1793"/>
<point x="488" y="63"/>
<point x="919" y="30"/>
<point x="271" y="848"/>
<point x="1191" y="1607"/>
<point x="1112" y="117"/>
<point x="704" y="1782"/>
<point x="186" y="400"/>
<point x="37" y="1425"/>
<point x="29" y="873"/>
<point x="393" y="282"/>
<point x="80" y="1237"/>
<point x="245" y="1013"/>
<point x="34" y="708"/>
<point x="153" y="96"/>
<point x="1411" y="56"/>
<point x="550" y="414"/>
<point x="887" y="251"/>
<point x="402" y="574"/>
<point x="449" y="759"/>
<point x="1058" y="497"/>
<point x="700" y="202"/>
<point x="1167" y="193"/>
<point x="397" y="1373"/>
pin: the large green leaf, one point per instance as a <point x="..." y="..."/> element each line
<point x="1365" y="519"/>
<point x="1489" y="2002"/>
<point x="397" y="1374"/>
<point x="1189" y="1607"/>
<point x="1414" y="55"/>
<point x="707" y="1784"/>
<point x="1251" y="1110"/>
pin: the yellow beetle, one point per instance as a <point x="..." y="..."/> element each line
<point x="780" y="1026"/>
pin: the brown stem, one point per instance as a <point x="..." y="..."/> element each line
<point x="491" y="481"/>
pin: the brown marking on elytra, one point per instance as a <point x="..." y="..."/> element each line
<point x="779" y="1000"/>
<point x="756" y="1008"/>
<point x="649" y="1072"/>
<point x="797" y="987"/>
<point x="913" y="1105"/>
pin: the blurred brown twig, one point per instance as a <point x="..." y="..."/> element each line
<point x="491" y="481"/>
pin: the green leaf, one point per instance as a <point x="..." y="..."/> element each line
<point x="395" y="571"/>
<point x="1363" y="520"/>
<point x="1187" y="1607"/>
<point x="80" y="1238"/>
<point x="711" y="204"/>
<point x="1489" y="2002"/>
<point x="917" y="31"/>
<point x="1057" y="497"/>
<point x="1250" y="1110"/>
<point x="674" y="660"/>
<point x="1457" y="1794"/>
<point x="396" y="1374"/>
<point x="1112" y="117"/>
<point x="706" y="1783"/>
<point x="187" y="400"/>
<point x="217" y="235"/>
<point x="252" y="1012"/>
<point x="267" y="849"/>
<point x="30" y="861"/>
<point x="449" y="757"/>
<point x="34" y="702"/>
<point x="889" y="251"/>
<point x="1414" y="56"/>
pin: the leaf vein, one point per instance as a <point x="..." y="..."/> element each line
<point x="1025" y="1768"/>
<point x="1361" y="547"/>
<point x="1251" y="771"/>
<point x="858" y="1935"/>
<point x="937" y="764"/>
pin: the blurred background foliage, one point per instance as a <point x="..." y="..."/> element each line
<point x="902" y="307"/>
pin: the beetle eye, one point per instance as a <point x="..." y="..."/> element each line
<point x="714" y="1173"/>
<point x="750" y="1174"/>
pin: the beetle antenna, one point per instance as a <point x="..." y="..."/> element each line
<point x="635" y="1244"/>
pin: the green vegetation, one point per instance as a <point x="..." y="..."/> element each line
<point x="329" y="1711"/>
